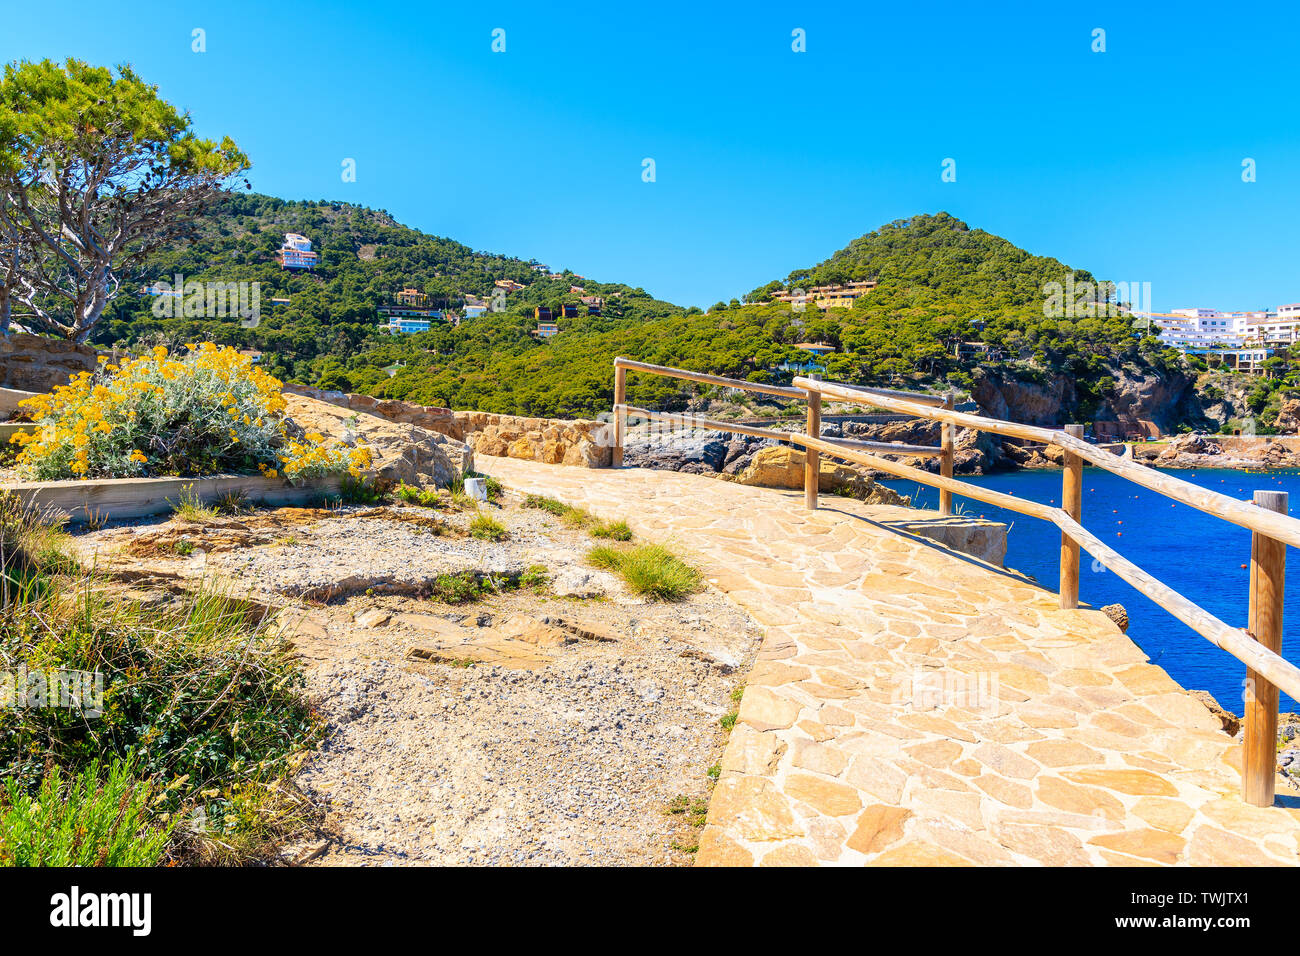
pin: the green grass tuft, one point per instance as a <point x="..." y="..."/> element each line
<point x="613" y="530"/>
<point x="191" y="507"/>
<point x="202" y="698"/>
<point x="487" y="528"/>
<point x="544" y="503"/>
<point x="421" y="497"/>
<point x="650" y="570"/>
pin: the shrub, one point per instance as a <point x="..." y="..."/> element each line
<point x="209" y="411"/>
<point x="650" y="570"/>
<point x="535" y="576"/>
<point x="90" y="822"/>
<point x="462" y="588"/>
<point x="201" y="697"/>
<point x="357" y="490"/>
<point x="30" y="543"/>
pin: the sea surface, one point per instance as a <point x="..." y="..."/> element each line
<point x="1203" y="558"/>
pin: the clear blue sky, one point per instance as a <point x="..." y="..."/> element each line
<point x="1126" y="163"/>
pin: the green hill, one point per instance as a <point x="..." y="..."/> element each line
<point x="938" y="252"/>
<point x="331" y="318"/>
<point x="953" y="304"/>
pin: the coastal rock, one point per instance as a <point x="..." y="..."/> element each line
<point x="1230" y="721"/>
<point x="1002" y="395"/>
<point x="779" y="466"/>
<point x="1198" y="450"/>
<point x="1141" y="398"/>
<point x="1288" y="417"/>
<point x="1047" y="456"/>
<point x="704" y="454"/>
<point x="1118" y="614"/>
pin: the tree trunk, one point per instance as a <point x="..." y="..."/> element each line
<point x="93" y="309"/>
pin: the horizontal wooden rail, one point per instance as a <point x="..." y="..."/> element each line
<point x="781" y="390"/>
<point x="889" y="447"/>
<point x="1235" y="641"/>
<point x="686" y="420"/>
<point x="1246" y="515"/>
<point x="920" y="398"/>
<point x="898" y="469"/>
<point x="694" y="421"/>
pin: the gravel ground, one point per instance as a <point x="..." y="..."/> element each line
<point x="553" y="750"/>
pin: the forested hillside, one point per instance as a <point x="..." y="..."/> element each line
<point x="953" y="305"/>
<point x="940" y="253"/>
<point x="331" y="318"/>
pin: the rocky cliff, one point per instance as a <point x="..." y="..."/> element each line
<point x="1140" y="398"/>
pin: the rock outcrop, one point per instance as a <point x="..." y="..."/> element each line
<point x="401" y="452"/>
<point x="779" y="466"/>
<point x="1117" y="613"/>
<point x="1288" y="417"/>
<point x="1004" y="396"/>
<point x="552" y="442"/>
<point x="707" y="453"/>
<point x="1139" y="398"/>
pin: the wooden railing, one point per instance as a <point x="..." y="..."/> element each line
<point x="1258" y="646"/>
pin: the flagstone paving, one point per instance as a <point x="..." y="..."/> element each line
<point x="913" y="706"/>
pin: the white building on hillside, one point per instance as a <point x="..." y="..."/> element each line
<point x="296" y="252"/>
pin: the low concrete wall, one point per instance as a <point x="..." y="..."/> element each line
<point x="978" y="537"/>
<point x="9" y="400"/>
<point x="115" y="498"/>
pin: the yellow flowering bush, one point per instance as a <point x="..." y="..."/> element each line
<point x="208" y="410"/>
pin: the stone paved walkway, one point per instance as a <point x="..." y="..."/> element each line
<point x="912" y="706"/>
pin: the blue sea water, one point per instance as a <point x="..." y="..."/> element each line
<point x="1202" y="557"/>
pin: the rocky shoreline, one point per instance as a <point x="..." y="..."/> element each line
<point x="1241" y="453"/>
<point x="737" y="457"/>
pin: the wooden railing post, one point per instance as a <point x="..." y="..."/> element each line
<point x="1267" y="581"/>
<point x="947" y="439"/>
<point x="1072" y="504"/>
<point x="811" y="459"/>
<point x="620" y="414"/>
